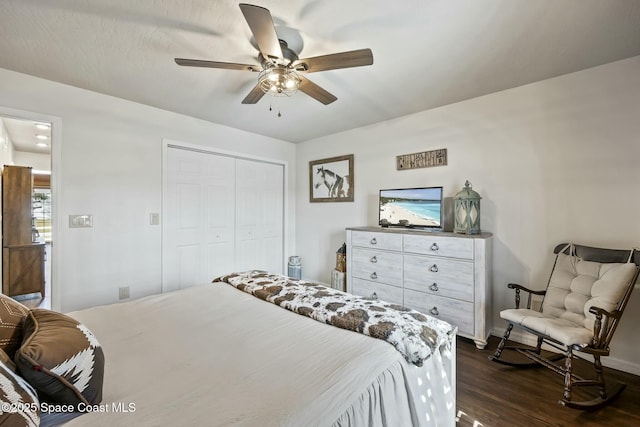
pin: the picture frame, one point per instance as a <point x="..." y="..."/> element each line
<point x="331" y="179"/>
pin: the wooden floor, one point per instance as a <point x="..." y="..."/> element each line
<point x="490" y="394"/>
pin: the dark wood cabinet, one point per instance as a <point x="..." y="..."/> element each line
<point x="23" y="269"/>
<point x="22" y="259"/>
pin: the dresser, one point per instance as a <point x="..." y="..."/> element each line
<point x="442" y="274"/>
<point x="22" y="259"/>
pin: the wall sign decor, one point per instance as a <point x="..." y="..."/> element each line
<point x="331" y="180"/>
<point x="425" y="159"/>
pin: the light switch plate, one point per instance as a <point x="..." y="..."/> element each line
<point x="154" y="218"/>
<point x="80" y="221"/>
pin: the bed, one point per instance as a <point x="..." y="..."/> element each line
<point x="217" y="356"/>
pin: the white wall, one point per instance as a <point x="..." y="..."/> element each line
<point x="554" y="161"/>
<point x="109" y="165"/>
<point x="6" y="146"/>
<point x="6" y="158"/>
<point x="38" y="161"/>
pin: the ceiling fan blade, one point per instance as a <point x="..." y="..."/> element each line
<point x="261" y="24"/>
<point x="315" y="91"/>
<point x="216" y="64"/>
<point x="254" y="96"/>
<point x="334" y="61"/>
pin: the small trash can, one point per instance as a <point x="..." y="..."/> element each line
<point x="341" y="258"/>
<point x="295" y="267"/>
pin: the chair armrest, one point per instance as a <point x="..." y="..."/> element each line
<point x="603" y="326"/>
<point x="601" y="311"/>
<point x="524" y="288"/>
<point x="530" y="292"/>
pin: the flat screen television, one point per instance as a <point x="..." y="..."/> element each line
<point x="411" y="207"/>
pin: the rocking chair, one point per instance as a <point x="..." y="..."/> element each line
<point x="585" y="297"/>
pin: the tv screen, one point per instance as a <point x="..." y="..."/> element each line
<point x="411" y="207"/>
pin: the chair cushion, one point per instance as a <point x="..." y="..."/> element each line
<point x="577" y="285"/>
<point x="562" y="330"/>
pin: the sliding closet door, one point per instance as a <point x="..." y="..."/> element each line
<point x="222" y="214"/>
<point x="200" y="209"/>
<point x="259" y="216"/>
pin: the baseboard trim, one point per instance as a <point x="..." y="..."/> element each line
<point x="522" y="337"/>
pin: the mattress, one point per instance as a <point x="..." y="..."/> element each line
<point x="213" y="355"/>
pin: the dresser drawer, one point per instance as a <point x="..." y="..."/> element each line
<point x="388" y="293"/>
<point x="456" y="312"/>
<point x="371" y="239"/>
<point x="377" y="266"/>
<point x="439" y="276"/>
<point x="453" y="247"/>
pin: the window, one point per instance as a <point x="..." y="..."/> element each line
<point x="42" y="213"/>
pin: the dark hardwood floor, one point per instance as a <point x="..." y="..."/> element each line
<point x="490" y="394"/>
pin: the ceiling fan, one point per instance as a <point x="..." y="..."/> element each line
<point x="280" y="68"/>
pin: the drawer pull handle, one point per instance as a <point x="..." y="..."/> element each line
<point x="374" y="259"/>
<point x="433" y="268"/>
<point x="373" y="241"/>
<point x="435" y="247"/>
<point x="374" y="275"/>
<point x="434" y="287"/>
<point x="374" y="296"/>
<point x="434" y="311"/>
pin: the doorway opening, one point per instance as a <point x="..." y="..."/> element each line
<point x="26" y="143"/>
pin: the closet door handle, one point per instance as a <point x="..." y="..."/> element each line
<point x="435" y="247"/>
<point x="374" y="259"/>
<point x="374" y="275"/>
<point x="433" y="268"/>
<point x="373" y="241"/>
<point x="434" y="311"/>
<point x="434" y="287"/>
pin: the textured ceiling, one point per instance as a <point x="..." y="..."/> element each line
<point x="427" y="53"/>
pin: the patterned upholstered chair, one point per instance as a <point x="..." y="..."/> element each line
<point x="585" y="297"/>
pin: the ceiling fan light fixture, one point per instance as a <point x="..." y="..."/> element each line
<point x="278" y="80"/>
<point x="280" y="65"/>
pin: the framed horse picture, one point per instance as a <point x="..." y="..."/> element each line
<point x="331" y="180"/>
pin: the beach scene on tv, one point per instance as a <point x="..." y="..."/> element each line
<point x="419" y="207"/>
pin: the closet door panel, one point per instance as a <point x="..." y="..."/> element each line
<point x="200" y="207"/>
<point x="259" y="216"/>
<point x="223" y="214"/>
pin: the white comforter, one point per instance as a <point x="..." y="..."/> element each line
<point x="215" y="356"/>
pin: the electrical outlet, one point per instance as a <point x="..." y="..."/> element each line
<point x="124" y="292"/>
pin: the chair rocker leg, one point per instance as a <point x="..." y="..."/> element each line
<point x="503" y="341"/>
<point x="571" y="380"/>
<point x="597" y="403"/>
<point x="497" y="356"/>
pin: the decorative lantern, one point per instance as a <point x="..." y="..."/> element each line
<point x="467" y="211"/>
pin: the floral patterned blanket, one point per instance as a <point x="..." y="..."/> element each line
<point x="412" y="333"/>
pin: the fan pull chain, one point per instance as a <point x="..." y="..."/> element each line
<point x="271" y="109"/>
